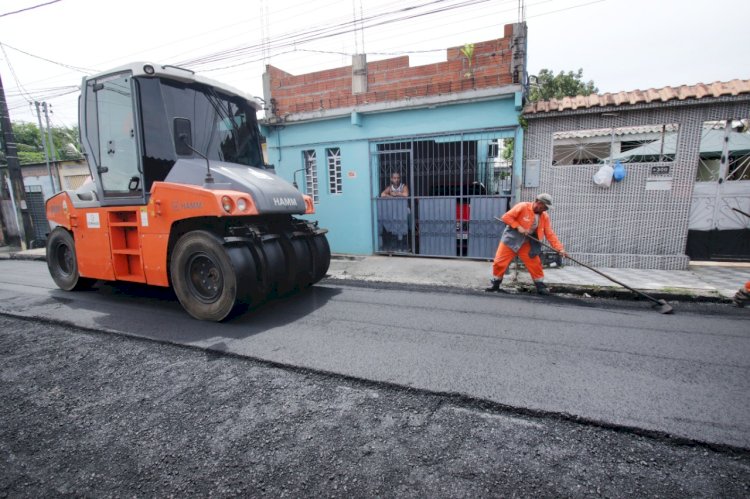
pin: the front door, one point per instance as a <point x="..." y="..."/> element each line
<point x="456" y="184"/>
<point x="719" y="226"/>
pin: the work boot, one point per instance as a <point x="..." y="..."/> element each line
<point x="494" y="285"/>
<point x="741" y="299"/>
<point x="541" y="288"/>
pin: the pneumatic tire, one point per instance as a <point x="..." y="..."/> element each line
<point x="205" y="277"/>
<point x="321" y="256"/>
<point x="62" y="261"/>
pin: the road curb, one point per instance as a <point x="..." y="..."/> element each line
<point x="684" y="296"/>
<point x="22" y="256"/>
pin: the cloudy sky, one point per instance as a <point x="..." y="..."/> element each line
<point x="620" y="44"/>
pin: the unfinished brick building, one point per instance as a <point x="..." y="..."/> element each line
<point x="446" y="128"/>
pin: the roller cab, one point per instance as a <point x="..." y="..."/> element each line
<point x="180" y="196"/>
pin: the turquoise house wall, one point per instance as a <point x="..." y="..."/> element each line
<point x="348" y="215"/>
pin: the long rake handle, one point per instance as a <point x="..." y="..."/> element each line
<point x="641" y="293"/>
<point x="597" y="271"/>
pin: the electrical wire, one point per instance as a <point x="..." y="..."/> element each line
<point x="68" y="66"/>
<point x="23" y="91"/>
<point x="393" y="53"/>
<point x="323" y="32"/>
<point x="29" y="8"/>
<point x="290" y="42"/>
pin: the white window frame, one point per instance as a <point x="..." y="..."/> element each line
<point x="310" y="162"/>
<point x="333" y="157"/>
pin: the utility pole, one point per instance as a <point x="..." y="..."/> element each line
<point x="15" y="178"/>
<point x="51" y="150"/>
<point x="44" y="145"/>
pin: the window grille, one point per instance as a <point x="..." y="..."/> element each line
<point x="310" y="160"/>
<point x="634" y="144"/>
<point x="724" y="150"/>
<point x="334" y="170"/>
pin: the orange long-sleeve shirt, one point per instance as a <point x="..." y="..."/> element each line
<point x="522" y="215"/>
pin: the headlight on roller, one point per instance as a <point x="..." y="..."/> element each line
<point x="226" y="203"/>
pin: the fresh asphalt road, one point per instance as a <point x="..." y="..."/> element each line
<point x="616" y="363"/>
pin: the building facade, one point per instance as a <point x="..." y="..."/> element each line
<point x="38" y="184"/>
<point x="686" y="193"/>
<point x="449" y="129"/>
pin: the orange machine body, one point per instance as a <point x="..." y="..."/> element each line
<point x="131" y="243"/>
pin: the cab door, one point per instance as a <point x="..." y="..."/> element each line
<point x="112" y="112"/>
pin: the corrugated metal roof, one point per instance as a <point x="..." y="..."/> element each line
<point x="698" y="91"/>
<point x="628" y="130"/>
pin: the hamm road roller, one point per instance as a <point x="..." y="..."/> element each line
<point x="179" y="196"/>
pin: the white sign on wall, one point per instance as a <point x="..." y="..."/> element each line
<point x="659" y="184"/>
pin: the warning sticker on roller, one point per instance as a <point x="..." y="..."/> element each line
<point x="144" y="217"/>
<point x="92" y="221"/>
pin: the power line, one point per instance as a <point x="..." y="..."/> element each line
<point x="23" y="91"/>
<point x="68" y="66"/>
<point x="323" y="32"/>
<point x="386" y="53"/>
<point x="568" y="8"/>
<point x="29" y="8"/>
<point x="300" y="13"/>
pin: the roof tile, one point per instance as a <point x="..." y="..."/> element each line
<point x="697" y="91"/>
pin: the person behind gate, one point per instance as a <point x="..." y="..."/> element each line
<point x="396" y="189"/>
<point x="525" y="219"/>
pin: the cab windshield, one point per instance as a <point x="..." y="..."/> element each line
<point x="224" y="127"/>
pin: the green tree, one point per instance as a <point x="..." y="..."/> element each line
<point x="556" y="86"/>
<point x="30" y="145"/>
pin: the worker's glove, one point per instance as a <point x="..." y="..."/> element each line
<point x="563" y="253"/>
<point x="522" y="230"/>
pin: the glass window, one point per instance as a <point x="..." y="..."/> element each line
<point x="724" y="151"/>
<point x="633" y="144"/>
<point x="117" y="146"/>
<point x="334" y="170"/>
<point x="310" y="161"/>
<point x="224" y="128"/>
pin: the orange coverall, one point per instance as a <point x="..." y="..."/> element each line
<point x="512" y="242"/>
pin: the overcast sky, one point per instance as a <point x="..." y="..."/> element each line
<point x="620" y="44"/>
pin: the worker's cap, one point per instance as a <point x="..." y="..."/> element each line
<point x="545" y="199"/>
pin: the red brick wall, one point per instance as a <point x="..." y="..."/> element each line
<point x="393" y="79"/>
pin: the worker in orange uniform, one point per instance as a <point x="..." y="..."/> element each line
<point x="525" y="218"/>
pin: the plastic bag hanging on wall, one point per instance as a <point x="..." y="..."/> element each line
<point x="603" y="177"/>
<point x="619" y="172"/>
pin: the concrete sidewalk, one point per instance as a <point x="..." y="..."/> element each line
<point x="700" y="282"/>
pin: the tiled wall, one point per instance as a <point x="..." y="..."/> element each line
<point x="625" y="225"/>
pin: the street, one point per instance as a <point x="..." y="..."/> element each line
<point x="409" y="391"/>
<point x="96" y="414"/>
<point x="613" y="363"/>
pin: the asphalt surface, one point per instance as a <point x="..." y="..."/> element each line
<point x="102" y="415"/>
<point x="616" y="364"/>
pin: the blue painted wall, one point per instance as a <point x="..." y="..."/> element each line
<point x="348" y="215"/>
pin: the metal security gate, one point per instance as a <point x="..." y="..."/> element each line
<point x="719" y="226"/>
<point x="439" y="196"/>
<point x="37" y="210"/>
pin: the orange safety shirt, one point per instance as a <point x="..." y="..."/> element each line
<point x="522" y="215"/>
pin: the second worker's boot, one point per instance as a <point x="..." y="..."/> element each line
<point x="494" y="285"/>
<point x="541" y="288"/>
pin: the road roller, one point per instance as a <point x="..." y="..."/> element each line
<point x="180" y="196"/>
